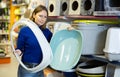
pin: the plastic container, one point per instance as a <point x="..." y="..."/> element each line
<point x="92" y="68"/>
<point x="112" y="45"/>
<point x="66" y="47"/>
<point x="93" y="38"/>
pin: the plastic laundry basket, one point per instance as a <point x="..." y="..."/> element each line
<point x="93" y="38"/>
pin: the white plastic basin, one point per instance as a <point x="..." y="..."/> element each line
<point x="112" y="44"/>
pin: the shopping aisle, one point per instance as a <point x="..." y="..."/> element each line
<point x="10" y="69"/>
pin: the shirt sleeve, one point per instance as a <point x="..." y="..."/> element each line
<point x="21" y="39"/>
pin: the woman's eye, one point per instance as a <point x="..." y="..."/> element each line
<point x="42" y="16"/>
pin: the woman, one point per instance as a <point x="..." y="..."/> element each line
<point x="28" y="46"/>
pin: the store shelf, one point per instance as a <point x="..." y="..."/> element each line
<point x="83" y="17"/>
<point x="101" y="58"/>
<point x="87" y="19"/>
<point x="3" y="19"/>
<point x="4" y="33"/>
<point x="6" y="59"/>
<point x="18" y="5"/>
<point x="19" y="14"/>
<point x="4" y="44"/>
<point x="94" y="17"/>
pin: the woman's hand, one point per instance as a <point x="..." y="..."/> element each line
<point x="19" y="52"/>
<point x="70" y="28"/>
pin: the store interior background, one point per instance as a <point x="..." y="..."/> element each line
<point x="65" y="12"/>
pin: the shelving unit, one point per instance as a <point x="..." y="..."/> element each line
<point x="92" y="19"/>
<point x="101" y="58"/>
<point x="8" y="16"/>
<point x="4" y="33"/>
<point x="17" y="10"/>
<point x="88" y="19"/>
<point x="4" y="41"/>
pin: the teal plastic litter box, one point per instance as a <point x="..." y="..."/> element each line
<point x="66" y="47"/>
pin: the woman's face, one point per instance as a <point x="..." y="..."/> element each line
<point x="40" y="17"/>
